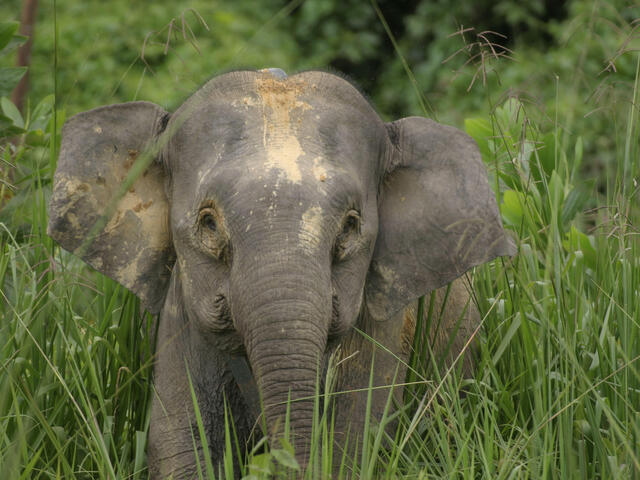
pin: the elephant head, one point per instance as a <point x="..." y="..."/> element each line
<point x="269" y="214"/>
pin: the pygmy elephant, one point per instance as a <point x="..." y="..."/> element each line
<point x="264" y="219"/>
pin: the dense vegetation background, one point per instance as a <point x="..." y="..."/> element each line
<point x="549" y="91"/>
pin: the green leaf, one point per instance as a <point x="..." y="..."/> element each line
<point x="11" y="111"/>
<point x="60" y="432"/>
<point x="9" y="78"/>
<point x="577" y="157"/>
<point x="14" y="43"/>
<point x="8" y="129"/>
<point x="261" y="464"/>
<point x="556" y="193"/>
<point x="510" y="117"/>
<point x="576" y="241"/>
<point x="480" y="130"/>
<point x="512" y="203"/>
<point x="7" y="31"/>
<point x="140" y="448"/>
<point x="285" y="458"/>
<point x="506" y="339"/>
<point x="286" y="445"/>
<point x="509" y="175"/>
<point x="42" y="113"/>
<point x="575" y="202"/>
<point x="547" y="157"/>
<point x="36" y="138"/>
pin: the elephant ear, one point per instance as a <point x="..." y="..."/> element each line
<point x="121" y="232"/>
<point x="438" y="216"/>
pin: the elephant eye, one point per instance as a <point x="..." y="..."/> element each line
<point x="212" y="233"/>
<point x="347" y="240"/>
<point x="209" y="222"/>
<point x="351" y="223"/>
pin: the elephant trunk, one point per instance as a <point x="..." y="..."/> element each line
<point x="283" y="317"/>
<point x="287" y="372"/>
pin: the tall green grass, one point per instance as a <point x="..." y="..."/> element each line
<point x="556" y="391"/>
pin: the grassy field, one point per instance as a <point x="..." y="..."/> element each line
<point x="556" y="392"/>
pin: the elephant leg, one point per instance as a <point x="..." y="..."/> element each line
<point x="174" y="440"/>
<point x="454" y="318"/>
<point x="383" y="358"/>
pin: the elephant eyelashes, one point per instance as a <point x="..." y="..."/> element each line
<point x="211" y="233"/>
<point x="347" y="239"/>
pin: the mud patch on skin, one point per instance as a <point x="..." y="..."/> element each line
<point x="282" y="114"/>
<point x="74" y="190"/>
<point x="284" y="156"/>
<point x="310" y="233"/>
<point x="81" y="201"/>
<point x="389" y="275"/>
<point x="244" y="102"/>
<point x="319" y="171"/>
<point x="150" y="214"/>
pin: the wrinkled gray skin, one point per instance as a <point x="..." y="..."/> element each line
<point x="276" y="214"/>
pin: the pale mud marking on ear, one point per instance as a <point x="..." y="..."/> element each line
<point x="153" y="221"/>
<point x="388" y="274"/>
<point x="138" y="202"/>
<point x="74" y="191"/>
<point x="311" y="229"/>
<point x="151" y="217"/>
<point x="144" y="209"/>
<point x="72" y="218"/>
<point x="281" y="114"/>
<point x="130" y="272"/>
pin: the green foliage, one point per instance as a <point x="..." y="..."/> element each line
<point x="11" y="122"/>
<point x="27" y="168"/>
<point x="99" y="57"/>
<point x="74" y="387"/>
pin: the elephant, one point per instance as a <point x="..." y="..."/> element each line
<point x="271" y="221"/>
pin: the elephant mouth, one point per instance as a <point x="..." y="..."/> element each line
<point x="218" y="319"/>
<point x="222" y="320"/>
<point x="335" y="327"/>
<point x="221" y="328"/>
<point x="219" y="324"/>
<point x="339" y="325"/>
<point x="242" y="370"/>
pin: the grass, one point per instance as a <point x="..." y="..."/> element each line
<point x="556" y="392"/>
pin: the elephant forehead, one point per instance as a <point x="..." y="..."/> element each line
<point x="254" y="183"/>
<point x="278" y="110"/>
<point x="289" y="128"/>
